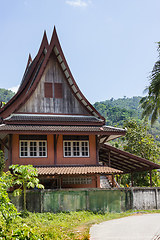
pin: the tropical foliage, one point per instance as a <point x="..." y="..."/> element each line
<point x="151" y="102"/>
<point x="25" y="176"/>
<point x="138" y="141"/>
<point x="7" y="209"/>
<point x="120" y="110"/>
<point x="114" y="115"/>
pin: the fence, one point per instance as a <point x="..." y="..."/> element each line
<point x="96" y="200"/>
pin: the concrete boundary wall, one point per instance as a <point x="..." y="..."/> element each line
<point x="96" y="200"/>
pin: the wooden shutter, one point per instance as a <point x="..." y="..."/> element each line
<point x="58" y="90"/>
<point x="48" y="90"/>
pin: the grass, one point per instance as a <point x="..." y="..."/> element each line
<point x="73" y="225"/>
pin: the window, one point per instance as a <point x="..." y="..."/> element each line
<point x="58" y="93"/>
<point x="77" y="180"/>
<point x="48" y="90"/>
<point x="76" y="148"/>
<point x="33" y="148"/>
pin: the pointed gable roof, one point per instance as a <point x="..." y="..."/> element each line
<point x="29" y="73"/>
<point x="26" y="70"/>
<point x="34" y="72"/>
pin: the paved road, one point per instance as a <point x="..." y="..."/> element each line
<point x="136" y="227"/>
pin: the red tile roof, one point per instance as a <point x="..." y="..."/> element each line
<point x="70" y="170"/>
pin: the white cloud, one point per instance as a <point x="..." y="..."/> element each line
<point x="78" y="3"/>
<point x="14" y="89"/>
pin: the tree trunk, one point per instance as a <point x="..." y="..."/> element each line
<point x="24" y="196"/>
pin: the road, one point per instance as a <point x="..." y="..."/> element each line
<point x="136" y="227"/>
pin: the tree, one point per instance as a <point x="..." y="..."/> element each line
<point x="151" y="102"/>
<point x="139" y="142"/>
<point x="7" y="209"/>
<point x="26" y="177"/>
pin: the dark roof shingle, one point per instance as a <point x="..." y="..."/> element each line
<point x="56" y="128"/>
<point x="52" y="118"/>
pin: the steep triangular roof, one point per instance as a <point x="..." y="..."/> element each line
<point x="30" y="70"/>
<point x="33" y="75"/>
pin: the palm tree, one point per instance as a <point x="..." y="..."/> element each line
<point x="151" y="102"/>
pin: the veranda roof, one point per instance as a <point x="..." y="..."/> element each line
<point x="124" y="161"/>
<point x="74" y="169"/>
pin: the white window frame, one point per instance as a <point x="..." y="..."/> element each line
<point x="80" y="147"/>
<point x="28" y="148"/>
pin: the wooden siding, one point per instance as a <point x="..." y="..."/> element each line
<point x="38" y="103"/>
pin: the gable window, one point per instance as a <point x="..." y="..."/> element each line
<point x="76" y="146"/>
<point x="58" y="93"/>
<point x="32" y="148"/>
<point x="48" y="90"/>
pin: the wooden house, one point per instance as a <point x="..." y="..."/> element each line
<point x="50" y="124"/>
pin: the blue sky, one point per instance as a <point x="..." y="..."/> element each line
<point x="110" y="46"/>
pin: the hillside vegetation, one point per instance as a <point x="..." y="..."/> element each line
<point x="5" y="95"/>
<point x="117" y="111"/>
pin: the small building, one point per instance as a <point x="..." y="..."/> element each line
<point x="50" y="124"/>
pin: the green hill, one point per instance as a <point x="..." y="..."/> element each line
<point x="127" y="103"/>
<point x="117" y="111"/>
<point x="5" y="95"/>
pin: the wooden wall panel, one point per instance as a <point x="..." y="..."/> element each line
<point x="38" y="103"/>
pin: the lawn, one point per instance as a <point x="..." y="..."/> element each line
<point x="73" y="225"/>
